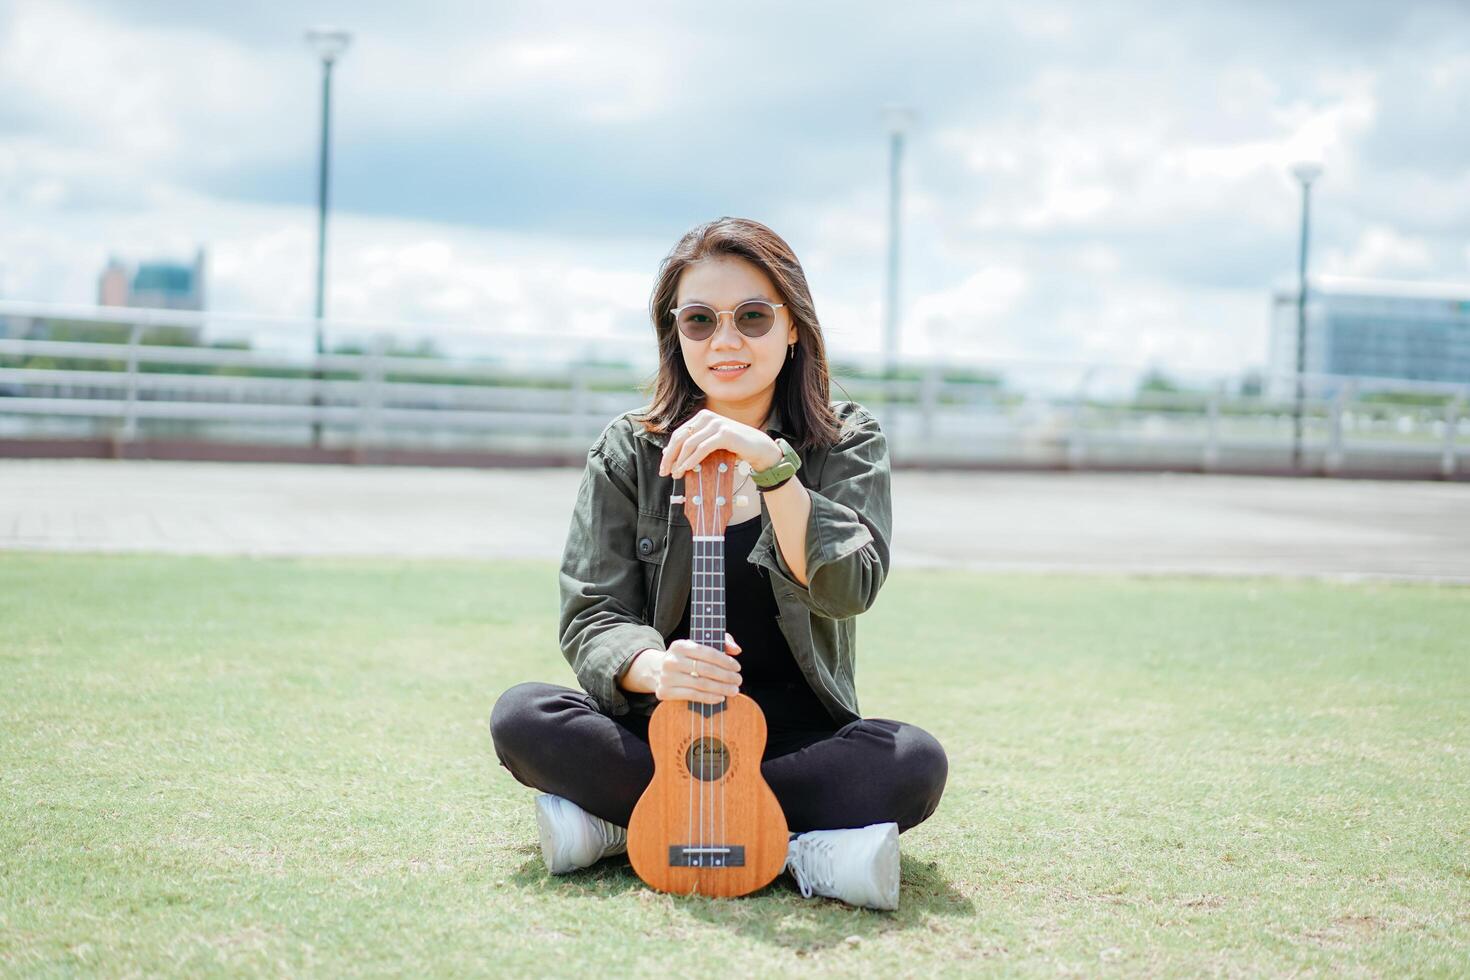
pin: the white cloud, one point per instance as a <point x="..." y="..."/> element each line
<point x="454" y="283"/>
<point x="938" y="318"/>
<point x="1072" y="160"/>
<point x="153" y="97"/>
<point x="1109" y="183"/>
<point x="1383" y="252"/>
<point x="602" y="77"/>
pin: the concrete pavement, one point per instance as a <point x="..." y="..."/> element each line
<point x="1089" y="522"/>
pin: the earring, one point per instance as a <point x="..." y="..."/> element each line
<point x="791" y="352"/>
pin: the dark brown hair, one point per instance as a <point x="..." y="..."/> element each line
<point x="802" y="386"/>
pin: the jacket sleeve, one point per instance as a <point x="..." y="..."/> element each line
<point x="848" y="530"/>
<point x="601" y="624"/>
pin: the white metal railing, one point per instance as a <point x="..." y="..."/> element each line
<point x="131" y="390"/>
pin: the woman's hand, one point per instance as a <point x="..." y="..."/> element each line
<point x="686" y="671"/>
<point x="708" y="431"/>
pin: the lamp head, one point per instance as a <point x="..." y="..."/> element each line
<point x="1306" y="171"/>
<point x="898" y="118"/>
<point x="328" y="42"/>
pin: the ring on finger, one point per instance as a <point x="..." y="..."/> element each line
<point x="693" y="671"/>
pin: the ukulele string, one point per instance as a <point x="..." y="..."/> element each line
<point x="717" y="638"/>
<point x="703" y="638"/>
<point x="689" y="753"/>
<point x="711" y="623"/>
<point x="713" y="627"/>
<point x="724" y="746"/>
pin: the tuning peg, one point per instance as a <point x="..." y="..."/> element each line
<point x="676" y="498"/>
<point x="741" y="500"/>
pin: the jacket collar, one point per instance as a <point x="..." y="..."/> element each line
<point x="775" y="424"/>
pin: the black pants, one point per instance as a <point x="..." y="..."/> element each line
<point x="869" y="771"/>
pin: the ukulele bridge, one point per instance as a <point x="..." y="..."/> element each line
<point x="706" y="856"/>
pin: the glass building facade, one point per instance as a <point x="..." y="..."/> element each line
<point x="1373" y="329"/>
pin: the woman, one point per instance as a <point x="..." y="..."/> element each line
<point x="743" y="369"/>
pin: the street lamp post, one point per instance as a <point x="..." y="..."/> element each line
<point x="898" y="119"/>
<point x="328" y="43"/>
<point x="1305" y="172"/>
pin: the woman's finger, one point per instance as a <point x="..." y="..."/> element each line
<point x="709" y="670"/>
<point x="699" y="447"/>
<point x="731" y="647"/>
<point x="706" y="684"/>
<point x="682" y="462"/>
<point x="695" y="450"/>
<point x="678" y="442"/>
<point x="687" y="666"/>
<point x="680" y="693"/>
<point x="715" y="685"/>
<point x="710" y="655"/>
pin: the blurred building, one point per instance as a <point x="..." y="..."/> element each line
<point x="156" y="285"/>
<point x="1378" y="328"/>
<point x="114" y="286"/>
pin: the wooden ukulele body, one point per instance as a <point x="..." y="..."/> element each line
<point x="707" y="824"/>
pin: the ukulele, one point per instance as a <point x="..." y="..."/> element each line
<point x="708" y="824"/>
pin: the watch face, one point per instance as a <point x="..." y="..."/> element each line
<point x="790" y="454"/>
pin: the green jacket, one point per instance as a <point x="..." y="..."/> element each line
<point x="625" y="571"/>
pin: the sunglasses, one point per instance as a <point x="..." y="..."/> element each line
<point x="754" y="318"/>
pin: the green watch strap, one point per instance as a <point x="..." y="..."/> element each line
<point x="775" y="486"/>
<point x="781" y="472"/>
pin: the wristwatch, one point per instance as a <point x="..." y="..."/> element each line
<point x="777" y="475"/>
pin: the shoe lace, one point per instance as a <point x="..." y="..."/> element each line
<point x="811" y="864"/>
<point x="613" y="836"/>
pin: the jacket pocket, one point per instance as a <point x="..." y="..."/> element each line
<point x="651" y="545"/>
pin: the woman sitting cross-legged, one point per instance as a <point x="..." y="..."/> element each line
<point x="806" y="550"/>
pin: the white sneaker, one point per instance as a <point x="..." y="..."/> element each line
<point x="857" y="866"/>
<point x="572" y="838"/>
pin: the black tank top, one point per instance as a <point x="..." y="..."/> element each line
<point x="768" y="671"/>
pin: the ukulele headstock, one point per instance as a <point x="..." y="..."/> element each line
<point x="708" y="493"/>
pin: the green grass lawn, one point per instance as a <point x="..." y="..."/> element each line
<point x="237" y="766"/>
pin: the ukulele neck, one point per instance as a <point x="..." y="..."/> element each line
<point x="707" y="592"/>
<point x="708" y="500"/>
<point x="707" y="601"/>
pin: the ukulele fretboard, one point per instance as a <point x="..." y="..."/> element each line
<point x="707" y="592"/>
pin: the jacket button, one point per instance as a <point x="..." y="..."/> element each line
<point x="645" y="545"/>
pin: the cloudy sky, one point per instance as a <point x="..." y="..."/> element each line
<point x="1086" y="182"/>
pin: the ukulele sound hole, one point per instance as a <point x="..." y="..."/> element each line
<point x="708" y="759"/>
